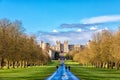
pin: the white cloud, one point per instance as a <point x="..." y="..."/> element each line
<point x="72" y="36"/>
<point x="79" y="30"/>
<point x="93" y="28"/>
<point x="106" y="28"/>
<point x="54" y="30"/>
<point x="83" y="33"/>
<point x="101" y="19"/>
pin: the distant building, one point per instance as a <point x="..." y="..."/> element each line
<point x="77" y="47"/>
<point x="57" y="45"/>
<point x="41" y="43"/>
<point x="70" y="47"/>
<point x="62" y="46"/>
<point x="44" y="45"/>
<point x="51" y="54"/>
<point x="53" y="47"/>
<point x="88" y="43"/>
<point x="66" y="47"/>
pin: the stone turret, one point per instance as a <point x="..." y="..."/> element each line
<point x="58" y="45"/>
<point x="66" y="48"/>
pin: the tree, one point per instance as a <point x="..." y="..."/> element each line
<point x="116" y="49"/>
<point x="17" y="48"/>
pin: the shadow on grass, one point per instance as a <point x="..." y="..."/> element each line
<point x="90" y="73"/>
<point x="22" y="78"/>
<point x="83" y="77"/>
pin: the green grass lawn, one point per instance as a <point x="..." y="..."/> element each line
<point x="32" y="73"/>
<point x="54" y="63"/>
<point x="42" y="72"/>
<point x="89" y="73"/>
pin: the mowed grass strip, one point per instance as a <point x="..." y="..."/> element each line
<point x="42" y="72"/>
<point x="88" y="73"/>
<point x="54" y="63"/>
<point x="32" y="73"/>
<point x="91" y="73"/>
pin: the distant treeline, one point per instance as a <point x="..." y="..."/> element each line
<point x="102" y="52"/>
<point x="18" y="49"/>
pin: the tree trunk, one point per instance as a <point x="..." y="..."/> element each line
<point x="8" y="64"/>
<point x="117" y="65"/>
<point x="26" y="64"/>
<point x="0" y="65"/>
<point x="17" y="64"/>
<point x="23" y="64"/>
<point x="111" y="65"/>
<point x="20" y="64"/>
<point x="13" y="64"/>
<point x="103" y="65"/>
<point x="108" y="66"/>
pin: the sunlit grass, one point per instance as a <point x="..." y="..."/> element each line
<point x="42" y="72"/>
<point x="70" y="62"/>
<point x="54" y="63"/>
<point x="32" y="73"/>
<point x="89" y="73"/>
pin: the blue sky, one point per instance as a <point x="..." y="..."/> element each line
<point x="72" y="20"/>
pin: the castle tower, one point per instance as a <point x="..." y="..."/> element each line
<point x="42" y="45"/>
<point x="41" y="42"/>
<point x="58" y="45"/>
<point x="88" y="43"/>
<point x="66" y="49"/>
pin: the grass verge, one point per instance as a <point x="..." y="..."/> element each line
<point x="32" y="73"/>
<point x="42" y="72"/>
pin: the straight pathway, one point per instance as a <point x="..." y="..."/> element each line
<point x="62" y="74"/>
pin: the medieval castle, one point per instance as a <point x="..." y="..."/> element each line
<point x="58" y="47"/>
